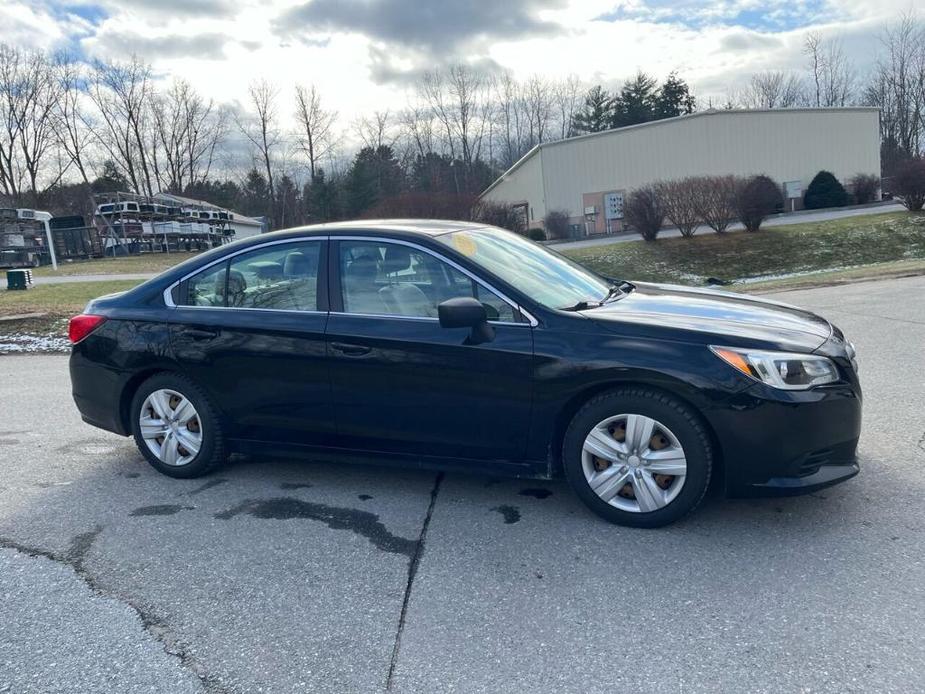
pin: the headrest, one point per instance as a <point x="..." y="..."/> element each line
<point x="397" y="258"/>
<point x="365" y="267"/>
<point x="297" y="264"/>
<point x="236" y="283"/>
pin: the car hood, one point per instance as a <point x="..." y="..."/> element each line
<point x="715" y="316"/>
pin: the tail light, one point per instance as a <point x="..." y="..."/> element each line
<point x="82" y="325"/>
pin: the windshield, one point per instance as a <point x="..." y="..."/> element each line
<point x="544" y="276"/>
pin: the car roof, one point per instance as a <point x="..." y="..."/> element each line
<point x="423" y="227"/>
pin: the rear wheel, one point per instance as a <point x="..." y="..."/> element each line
<point x="176" y="427"/>
<point x="638" y="457"/>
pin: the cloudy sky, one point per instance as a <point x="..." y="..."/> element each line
<point x="363" y="54"/>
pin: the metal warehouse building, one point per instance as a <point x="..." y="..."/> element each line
<point x="588" y="176"/>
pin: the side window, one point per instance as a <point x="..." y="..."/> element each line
<point x="280" y="277"/>
<point x="208" y="287"/>
<point x="381" y="278"/>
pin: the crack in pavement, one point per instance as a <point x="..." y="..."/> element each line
<point x="412" y="572"/>
<point x="74" y="557"/>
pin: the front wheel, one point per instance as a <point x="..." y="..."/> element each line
<point x="176" y="428"/>
<point x="638" y="457"/>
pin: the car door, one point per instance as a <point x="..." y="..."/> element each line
<point x="402" y="383"/>
<point x="250" y="329"/>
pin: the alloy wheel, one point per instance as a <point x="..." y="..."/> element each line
<point x="634" y="463"/>
<point x="170" y="426"/>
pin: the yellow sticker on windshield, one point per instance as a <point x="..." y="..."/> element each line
<point x="465" y="244"/>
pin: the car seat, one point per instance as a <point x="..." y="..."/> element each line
<point x="403" y="298"/>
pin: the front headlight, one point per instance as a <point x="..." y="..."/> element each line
<point x="784" y="370"/>
<point x="852" y="355"/>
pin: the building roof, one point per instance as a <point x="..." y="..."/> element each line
<point x="206" y="205"/>
<point x="663" y="122"/>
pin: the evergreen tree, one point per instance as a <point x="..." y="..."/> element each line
<point x="824" y="191"/>
<point x="374" y="175"/>
<point x="321" y="199"/>
<point x="596" y="114"/>
<point x="636" y="102"/>
<point x="255" y="197"/>
<point x="674" y="98"/>
<point x="288" y="205"/>
<point x="110" y="180"/>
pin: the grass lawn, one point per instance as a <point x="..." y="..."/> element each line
<point x="846" y="244"/>
<point x="54" y="304"/>
<point x="134" y="264"/>
<point x="58" y="299"/>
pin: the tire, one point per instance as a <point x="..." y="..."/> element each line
<point x="186" y="463"/>
<point x="678" y="440"/>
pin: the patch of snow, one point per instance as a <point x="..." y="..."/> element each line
<point x="21" y="344"/>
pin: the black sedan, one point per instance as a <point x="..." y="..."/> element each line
<point x="465" y="347"/>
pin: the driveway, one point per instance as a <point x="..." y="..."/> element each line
<point x="287" y="576"/>
<point x="776" y="221"/>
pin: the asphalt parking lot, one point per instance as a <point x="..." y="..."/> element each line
<point x="286" y="576"/>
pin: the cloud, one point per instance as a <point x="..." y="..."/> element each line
<point x="429" y="27"/>
<point x="408" y="68"/>
<point x="213" y="9"/>
<point x="119" y="45"/>
<point x="738" y="41"/>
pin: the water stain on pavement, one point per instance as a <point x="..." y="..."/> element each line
<point x="160" y="510"/>
<point x="359" y="522"/>
<point x="511" y="513"/>
<point x="131" y="475"/>
<point x="296" y="485"/>
<point x="364" y="497"/>
<point x="536" y="493"/>
<point x="207" y="485"/>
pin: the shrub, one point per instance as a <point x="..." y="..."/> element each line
<point x="500" y="215"/>
<point x="865" y="187"/>
<point x="536" y="234"/>
<point x="556" y="223"/>
<point x="909" y="184"/>
<point x="643" y="211"/>
<point x="715" y="200"/>
<point x="678" y="201"/>
<point x="756" y="198"/>
<point x="824" y="191"/>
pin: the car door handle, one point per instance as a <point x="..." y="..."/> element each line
<point x="201" y="333"/>
<point x="350" y="350"/>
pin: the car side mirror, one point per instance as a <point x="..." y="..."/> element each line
<point x="466" y="312"/>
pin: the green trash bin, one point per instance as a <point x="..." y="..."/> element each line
<point x="18" y="279"/>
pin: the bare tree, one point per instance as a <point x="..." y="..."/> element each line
<point x="567" y="96"/>
<point x="417" y="125"/>
<point x="187" y="130"/>
<point x="898" y="88"/>
<point x="121" y="93"/>
<point x="28" y="95"/>
<point x="459" y="99"/>
<point x="376" y="131"/>
<point x="773" y="89"/>
<point x="679" y="203"/>
<point x="262" y="131"/>
<point x="645" y="212"/>
<point x="69" y="114"/>
<point x="832" y="75"/>
<point x="315" y="135"/>
<point x="715" y="200"/>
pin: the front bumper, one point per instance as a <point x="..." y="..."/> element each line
<point x="782" y="443"/>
